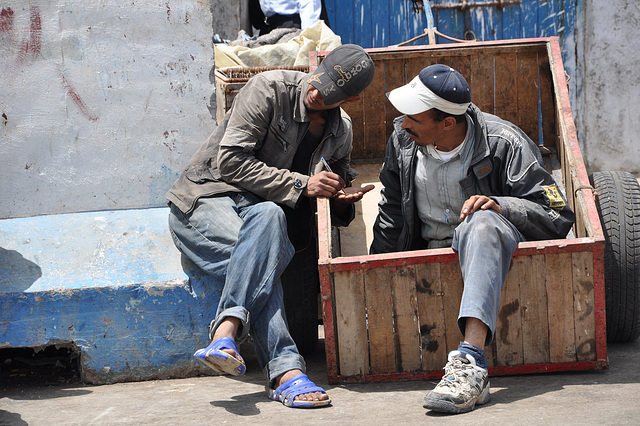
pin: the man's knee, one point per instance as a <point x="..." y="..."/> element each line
<point x="269" y="211"/>
<point x="480" y="222"/>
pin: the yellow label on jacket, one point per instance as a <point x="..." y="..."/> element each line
<point x="555" y="199"/>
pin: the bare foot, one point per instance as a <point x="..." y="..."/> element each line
<point x="228" y="328"/>
<point x="313" y="396"/>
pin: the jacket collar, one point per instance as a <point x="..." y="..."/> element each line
<point x="481" y="149"/>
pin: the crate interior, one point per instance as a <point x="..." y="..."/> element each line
<point x="512" y="81"/>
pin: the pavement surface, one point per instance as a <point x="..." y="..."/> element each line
<point x="609" y="396"/>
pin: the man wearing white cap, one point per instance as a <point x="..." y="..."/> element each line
<point x="456" y="177"/>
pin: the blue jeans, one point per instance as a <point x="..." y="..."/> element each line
<point x="485" y="242"/>
<point x="242" y="241"/>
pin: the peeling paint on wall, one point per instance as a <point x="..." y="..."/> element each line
<point x="89" y="90"/>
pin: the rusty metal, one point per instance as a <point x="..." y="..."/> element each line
<point x="465" y="5"/>
<point x="242" y="74"/>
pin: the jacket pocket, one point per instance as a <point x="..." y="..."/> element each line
<point x="200" y="173"/>
<point x="274" y="148"/>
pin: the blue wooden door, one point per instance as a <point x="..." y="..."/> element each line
<point x="382" y="23"/>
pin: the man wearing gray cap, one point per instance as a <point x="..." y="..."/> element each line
<point x="456" y="177"/>
<point x="227" y="207"/>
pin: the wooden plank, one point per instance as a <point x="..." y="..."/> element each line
<point x="451" y="282"/>
<point x="506" y="95"/>
<point x="380" y="21"/>
<point x="535" y="315"/>
<point x="547" y="106"/>
<point x="355" y="110"/>
<point x="380" y="320"/>
<point x="584" y="305"/>
<point x="509" y="321"/>
<point x="491" y="354"/>
<point x="415" y="64"/>
<point x="482" y="82"/>
<point x="405" y="314"/>
<point x="353" y="350"/>
<point x="529" y="18"/>
<point x="562" y="347"/>
<point x="343" y="24"/>
<point x="527" y="81"/>
<point x="431" y="313"/>
<point x="394" y="76"/>
<point x="511" y="23"/>
<point x="374" y="114"/>
<point x="397" y="22"/>
<point x="362" y="15"/>
<point x="462" y="64"/>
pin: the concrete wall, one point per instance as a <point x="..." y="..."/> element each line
<point x="229" y="17"/>
<point x="607" y="113"/>
<point x="102" y="103"/>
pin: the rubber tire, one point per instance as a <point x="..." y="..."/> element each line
<point x="301" y="288"/>
<point x="618" y="204"/>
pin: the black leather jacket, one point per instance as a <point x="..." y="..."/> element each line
<point x="506" y="166"/>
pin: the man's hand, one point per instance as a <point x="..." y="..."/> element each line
<point x="331" y="185"/>
<point x="323" y="184"/>
<point x="353" y="194"/>
<point x="476" y="202"/>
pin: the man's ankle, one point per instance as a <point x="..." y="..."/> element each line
<point x="476" y="352"/>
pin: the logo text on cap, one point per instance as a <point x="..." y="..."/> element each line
<point x="346" y="76"/>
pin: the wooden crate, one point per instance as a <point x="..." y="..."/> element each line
<point x="230" y="80"/>
<point x="394" y="316"/>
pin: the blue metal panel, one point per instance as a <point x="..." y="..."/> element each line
<point x="112" y="284"/>
<point x="381" y="23"/>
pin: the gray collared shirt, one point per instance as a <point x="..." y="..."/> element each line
<point x="439" y="197"/>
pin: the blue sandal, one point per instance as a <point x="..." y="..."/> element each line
<point x="298" y="385"/>
<point x="214" y="357"/>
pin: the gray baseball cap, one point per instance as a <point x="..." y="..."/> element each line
<point x="346" y="71"/>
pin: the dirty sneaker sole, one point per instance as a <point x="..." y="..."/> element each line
<point x="442" y="404"/>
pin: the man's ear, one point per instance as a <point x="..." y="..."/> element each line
<point x="449" y="123"/>
<point x="352" y="99"/>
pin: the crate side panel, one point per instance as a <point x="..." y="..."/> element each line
<point x="509" y="321"/>
<point x="380" y="320"/>
<point x="506" y="88"/>
<point x="584" y="305"/>
<point x="481" y="80"/>
<point x="415" y="64"/>
<point x="405" y="313"/>
<point x="535" y="315"/>
<point x="451" y="282"/>
<point x="431" y="312"/>
<point x="374" y="115"/>
<point x="527" y="92"/>
<point x="353" y="348"/>
<point x="355" y="111"/>
<point x="559" y="275"/>
<point x="394" y="77"/>
<point x="547" y="105"/>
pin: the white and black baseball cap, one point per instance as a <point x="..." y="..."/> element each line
<point x="437" y="86"/>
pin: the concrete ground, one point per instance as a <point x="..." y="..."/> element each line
<point x="592" y="397"/>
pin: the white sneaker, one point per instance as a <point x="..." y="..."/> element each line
<point x="463" y="385"/>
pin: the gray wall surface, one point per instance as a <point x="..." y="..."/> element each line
<point x="101" y="103"/>
<point x="608" y="86"/>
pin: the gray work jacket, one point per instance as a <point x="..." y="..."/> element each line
<point x="506" y="166"/>
<point x="253" y="147"/>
